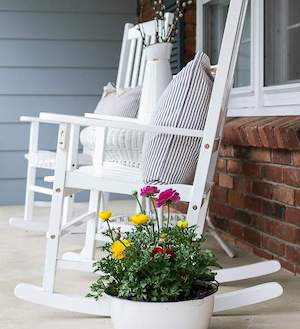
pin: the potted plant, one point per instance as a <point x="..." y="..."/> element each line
<point x="157" y="275"/>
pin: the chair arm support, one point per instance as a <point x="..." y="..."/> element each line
<point x="121" y="124"/>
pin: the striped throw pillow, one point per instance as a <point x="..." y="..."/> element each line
<point x="168" y="159"/>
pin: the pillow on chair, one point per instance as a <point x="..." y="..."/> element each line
<point x="123" y="102"/>
<point x="184" y="104"/>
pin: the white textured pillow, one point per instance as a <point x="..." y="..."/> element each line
<point x="184" y="104"/>
<point x="122" y="102"/>
<point x="122" y="146"/>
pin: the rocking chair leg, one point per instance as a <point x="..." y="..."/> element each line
<point x="68" y="208"/>
<point x="29" y="198"/>
<point x="88" y="252"/>
<point x="31" y="172"/>
<point x="53" y="234"/>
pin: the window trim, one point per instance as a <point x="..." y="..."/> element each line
<point x="256" y="99"/>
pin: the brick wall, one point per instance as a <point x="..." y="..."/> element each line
<point x="146" y="13"/>
<point x="256" y="200"/>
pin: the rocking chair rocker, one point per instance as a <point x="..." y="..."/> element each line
<point x="93" y="178"/>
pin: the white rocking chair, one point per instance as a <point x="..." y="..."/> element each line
<point x="94" y="178"/>
<point x="130" y="74"/>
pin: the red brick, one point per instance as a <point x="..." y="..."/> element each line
<point x="275" y="246"/>
<point x="219" y="194"/>
<point x="262" y="253"/>
<point x="242" y="245"/>
<point x="242" y="216"/>
<point x="216" y="178"/>
<point x="262" y="189"/>
<point x="296" y="158"/>
<point x="253" y="203"/>
<point x="225" y="180"/>
<point x="292" y="215"/>
<point x="260" y="155"/>
<point x="273" y="209"/>
<point x="281" y="156"/>
<point x="234" y="166"/>
<point x="263" y="224"/>
<point x="252" y="170"/>
<point x="285" y="231"/>
<point x="291" y="176"/>
<point x="297" y="197"/>
<point x="220" y="222"/>
<point x="222" y="210"/>
<point x="236" y="199"/>
<point x="181" y="207"/>
<point x="227" y="151"/>
<point x="236" y="229"/>
<point x="284" y="194"/>
<point x="293" y="254"/>
<point x="221" y="164"/>
<point x="242" y="184"/>
<point x="252" y="236"/>
<point x="273" y="173"/>
<point x="287" y="265"/>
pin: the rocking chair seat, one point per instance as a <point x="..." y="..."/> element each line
<point x="47" y="159"/>
<point x="126" y="181"/>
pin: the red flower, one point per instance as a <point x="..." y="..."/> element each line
<point x="169" y="252"/>
<point x="167" y="197"/>
<point x="158" y="250"/>
<point x="149" y="191"/>
<point x="165" y="250"/>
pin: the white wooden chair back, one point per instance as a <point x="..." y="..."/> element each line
<point x="132" y="60"/>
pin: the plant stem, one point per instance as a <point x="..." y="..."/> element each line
<point x="168" y="206"/>
<point x="156" y="214"/>
<point x="139" y="203"/>
<point x="110" y="231"/>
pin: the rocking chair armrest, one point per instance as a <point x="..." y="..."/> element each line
<point x="35" y="119"/>
<point x="110" y="117"/>
<point x="120" y="124"/>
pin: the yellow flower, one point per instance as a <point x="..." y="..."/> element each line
<point x="105" y="215"/>
<point x="118" y="248"/>
<point x="182" y="224"/>
<point x="139" y="219"/>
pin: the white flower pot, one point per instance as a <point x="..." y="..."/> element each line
<point x="192" y="314"/>
<point x="157" y="76"/>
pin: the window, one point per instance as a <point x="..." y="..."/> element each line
<point x="282" y="46"/>
<point x="267" y="77"/>
<point x="215" y="13"/>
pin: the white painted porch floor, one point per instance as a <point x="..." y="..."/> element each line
<point x="21" y="260"/>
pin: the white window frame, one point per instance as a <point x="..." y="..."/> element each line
<point x="256" y="99"/>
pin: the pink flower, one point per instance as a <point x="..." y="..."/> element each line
<point x="147" y="191"/>
<point x="167" y="197"/>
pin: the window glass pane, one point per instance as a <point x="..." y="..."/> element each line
<point x="282" y="46"/>
<point x="215" y="13"/>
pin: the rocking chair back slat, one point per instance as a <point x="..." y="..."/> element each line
<point x="130" y="63"/>
<point x="137" y="62"/>
<point x="123" y="56"/>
